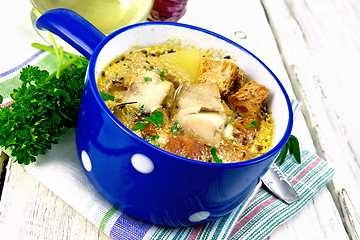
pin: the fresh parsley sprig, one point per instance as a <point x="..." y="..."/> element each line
<point x="45" y="106"/>
<point x="292" y="146"/>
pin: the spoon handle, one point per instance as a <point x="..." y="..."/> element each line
<point x="277" y="183"/>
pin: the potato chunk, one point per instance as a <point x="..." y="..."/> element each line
<point x="222" y="72"/>
<point x="249" y="99"/>
<point x="184" y="63"/>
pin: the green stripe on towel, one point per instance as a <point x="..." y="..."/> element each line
<point x="106" y="218"/>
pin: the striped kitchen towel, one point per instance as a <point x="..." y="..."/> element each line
<point x="255" y="218"/>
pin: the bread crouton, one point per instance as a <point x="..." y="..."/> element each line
<point x="222" y="72"/>
<point x="249" y="99"/>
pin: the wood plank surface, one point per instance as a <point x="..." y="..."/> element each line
<point x="29" y="210"/>
<point x="316" y="40"/>
<point x="319" y="43"/>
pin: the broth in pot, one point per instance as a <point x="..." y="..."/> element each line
<point x="194" y="103"/>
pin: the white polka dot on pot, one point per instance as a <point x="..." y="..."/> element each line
<point x="86" y="160"/>
<point x="142" y="163"/>
<point x="199" y="216"/>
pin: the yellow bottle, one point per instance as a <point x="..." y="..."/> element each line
<point x="106" y="15"/>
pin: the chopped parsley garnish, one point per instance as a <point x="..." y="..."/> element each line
<point x="154" y="137"/>
<point x="213" y="153"/>
<point x="162" y="79"/>
<point x="139" y="126"/>
<point x="162" y="74"/>
<point x="292" y="146"/>
<point x="175" y="129"/>
<point x="141" y="108"/>
<point x="187" y="155"/>
<point x="252" y="124"/>
<point x="156" y="117"/>
<point x="147" y="79"/>
<point x="106" y="96"/>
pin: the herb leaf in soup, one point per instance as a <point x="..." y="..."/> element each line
<point x="156" y="117"/>
<point x="215" y="157"/>
<point x="154" y="137"/>
<point x="252" y="124"/>
<point x="175" y="128"/>
<point x="147" y="79"/>
<point x="106" y="96"/>
<point x="139" y="126"/>
<point x="141" y="108"/>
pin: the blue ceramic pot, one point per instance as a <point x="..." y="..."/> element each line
<point x="138" y="178"/>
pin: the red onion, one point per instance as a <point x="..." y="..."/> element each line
<point x="168" y="10"/>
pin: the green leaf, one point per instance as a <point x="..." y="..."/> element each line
<point x="187" y="155"/>
<point x="213" y="153"/>
<point x="141" y="108"/>
<point x="290" y="147"/>
<point x="56" y="118"/>
<point x="282" y="155"/>
<point x="154" y="137"/>
<point x="44" y="107"/>
<point x="61" y="93"/>
<point x="139" y="126"/>
<point x="147" y="79"/>
<point x="175" y="129"/>
<point x="252" y="124"/>
<point x="295" y="148"/>
<point x="1" y="99"/>
<point x="106" y="96"/>
<point x="156" y="117"/>
<point x="58" y="53"/>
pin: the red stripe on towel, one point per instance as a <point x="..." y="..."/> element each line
<point x="305" y="170"/>
<point x="252" y="214"/>
<point x="195" y="232"/>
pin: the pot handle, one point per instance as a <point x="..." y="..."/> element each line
<point x="72" y="28"/>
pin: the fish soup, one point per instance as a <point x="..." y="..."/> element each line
<point x="194" y="103"/>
